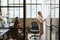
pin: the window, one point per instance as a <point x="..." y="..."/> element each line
<point x="39" y="1"/>
<point x="34" y="11"/>
<point x="3" y="2"/>
<point x="57" y="13"/>
<point x="33" y="1"/>
<point x="10" y="1"/>
<point x="16" y="1"/>
<point x="11" y="12"/>
<point x="32" y="7"/>
<point x="57" y="1"/>
<point x="16" y="12"/>
<point x="11" y="9"/>
<point x="28" y="12"/>
<point x="52" y="13"/>
<point x="28" y="1"/>
<point x="54" y="8"/>
<point x="21" y="13"/>
<point x="15" y="9"/>
<point x="4" y="12"/>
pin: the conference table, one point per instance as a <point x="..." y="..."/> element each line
<point x="3" y="31"/>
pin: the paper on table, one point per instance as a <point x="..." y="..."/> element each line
<point x="6" y="25"/>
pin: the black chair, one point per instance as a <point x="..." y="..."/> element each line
<point x="34" y="27"/>
<point x="34" y="30"/>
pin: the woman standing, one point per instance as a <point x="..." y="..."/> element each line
<point x="40" y="23"/>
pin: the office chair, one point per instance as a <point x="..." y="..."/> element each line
<point x="34" y="30"/>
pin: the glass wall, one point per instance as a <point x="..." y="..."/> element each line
<point x="54" y="15"/>
<point x="14" y="8"/>
<point x="54" y="9"/>
<point x="11" y="9"/>
<point x="32" y="8"/>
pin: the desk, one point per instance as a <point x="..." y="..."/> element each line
<point x="3" y="31"/>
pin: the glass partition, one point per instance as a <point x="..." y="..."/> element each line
<point x="50" y="10"/>
<point x="12" y="16"/>
<point x="10" y="9"/>
<point x="32" y="8"/>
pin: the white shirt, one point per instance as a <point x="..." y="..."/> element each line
<point x="39" y="17"/>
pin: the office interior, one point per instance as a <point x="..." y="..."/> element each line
<point x="28" y="10"/>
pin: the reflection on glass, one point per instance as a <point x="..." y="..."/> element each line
<point x="21" y="12"/>
<point x="28" y="11"/>
<point x="33" y="11"/>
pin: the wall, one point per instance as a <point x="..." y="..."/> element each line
<point x="28" y="21"/>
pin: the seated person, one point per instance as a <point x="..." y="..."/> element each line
<point x="17" y="23"/>
<point x="14" y="31"/>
